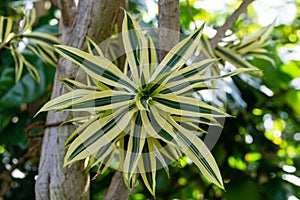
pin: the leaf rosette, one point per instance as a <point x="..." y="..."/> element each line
<point x="143" y="116"/>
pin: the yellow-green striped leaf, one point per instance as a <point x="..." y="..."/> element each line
<point x="147" y="167"/>
<point x="179" y="54"/>
<point x="93" y="48"/>
<point x="98" y="68"/>
<point x="74" y="85"/>
<point x="135" y="144"/>
<point x="232" y="57"/>
<point x="86" y="100"/>
<point x="19" y="63"/>
<point x="154" y="129"/>
<point x="6" y="24"/>
<point x="197" y="151"/>
<point x="134" y="44"/>
<point x="185" y="106"/>
<point x="98" y="134"/>
<point x="41" y="38"/>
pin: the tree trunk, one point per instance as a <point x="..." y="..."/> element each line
<point x="117" y="189"/>
<point x="94" y="18"/>
<point x="168" y="26"/>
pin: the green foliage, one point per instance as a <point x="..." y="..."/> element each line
<point x="26" y="90"/>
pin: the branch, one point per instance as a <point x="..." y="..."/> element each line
<point x="39" y="124"/>
<point x="191" y="13"/>
<point x="67" y="8"/>
<point x="229" y="22"/>
<point x="117" y="189"/>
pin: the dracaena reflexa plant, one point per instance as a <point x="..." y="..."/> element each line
<point x="239" y="51"/>
<point x="143" y="115"/>
<point x="40" y="44"/>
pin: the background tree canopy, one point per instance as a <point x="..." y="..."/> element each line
<point x="258" y="152"/>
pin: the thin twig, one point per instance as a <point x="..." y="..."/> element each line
<point x="191" y="13"/>
<point x="36" y="125"/>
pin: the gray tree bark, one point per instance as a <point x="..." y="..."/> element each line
<point x="168" y="26"/>
<point x="94" y="18"/>
<point x="117" y="189"/>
